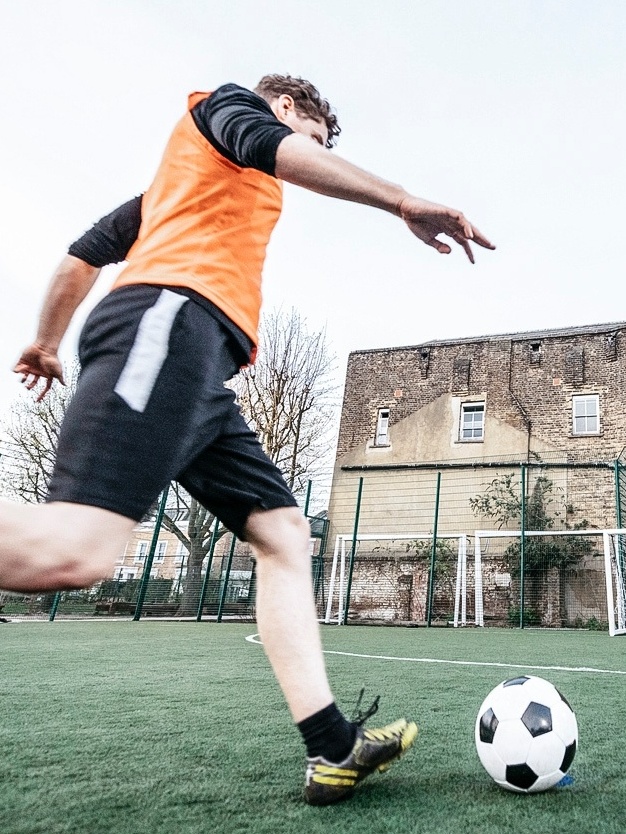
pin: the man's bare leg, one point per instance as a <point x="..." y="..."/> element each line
<point x="339" y="755"/>
<point x="57" y="546"/>
<point x="286" y="613"/>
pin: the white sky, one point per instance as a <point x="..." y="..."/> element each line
<point x="511" y="110"/>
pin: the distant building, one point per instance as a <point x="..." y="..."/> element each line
<point x="467" y="408"/>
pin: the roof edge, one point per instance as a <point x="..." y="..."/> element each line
<point x="589" y="329"/>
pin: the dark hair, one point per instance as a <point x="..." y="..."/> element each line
<point x="306" y="97"/>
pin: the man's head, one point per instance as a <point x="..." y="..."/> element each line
<point x="299" y="104"/>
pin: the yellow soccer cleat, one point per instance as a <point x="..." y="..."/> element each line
<point x="328" y="782"/>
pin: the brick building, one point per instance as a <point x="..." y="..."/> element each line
<point x="460" y="409"/>
<point x="467" y="398"/>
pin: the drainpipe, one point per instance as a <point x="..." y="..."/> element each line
<point x="518" y="403"/>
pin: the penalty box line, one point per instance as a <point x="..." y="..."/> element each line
<point x="254" y="638"/>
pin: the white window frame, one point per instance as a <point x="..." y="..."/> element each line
<point x="382" y="427"/>
<point x="476" y="407"/>
<point x="587" y="415"/>
<point x="126" y="573"/>
<point x="141" y="552"/>
<point x="161" y="548"/>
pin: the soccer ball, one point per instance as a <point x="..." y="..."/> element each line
<point x="526" y="734"/>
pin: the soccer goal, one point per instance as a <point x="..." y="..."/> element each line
<point x="559" y="578"/>
<point x="378" y="589"/>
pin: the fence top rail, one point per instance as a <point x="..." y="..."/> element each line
<point x="511" y="533"/>
<point x="484" y="464"/>
<point x="368" y="537"/>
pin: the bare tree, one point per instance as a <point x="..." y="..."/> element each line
<point x="287" y="397"/>
<point x="193" y="525"/>
<point x="31" y="434"/>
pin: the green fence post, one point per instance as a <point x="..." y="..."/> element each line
<point x="307" y="500"/>
<point x="207" y="575"/>
<point x="145" y="579"/>
<point x="522" y="549"/>
<point x="353" y="551"/>
<point x="252" y="585"/>
<point x="54" y="606"/>
<point x="226" y="577"/>
<point x="117" y="585"/>
<point x="618" y="497"/>
<point x="433" y="556"/>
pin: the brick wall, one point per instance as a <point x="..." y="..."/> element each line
<point x="523" y="377"/>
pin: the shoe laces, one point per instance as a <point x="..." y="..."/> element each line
<point x="359" y="718"/>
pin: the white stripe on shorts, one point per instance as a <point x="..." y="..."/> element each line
<point x="149" y="350"/>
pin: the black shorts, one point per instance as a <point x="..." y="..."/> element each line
<point x="151" y="407"/>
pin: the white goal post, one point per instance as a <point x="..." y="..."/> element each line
<point x="341" y="556"/>
<point x="614" y="549"/>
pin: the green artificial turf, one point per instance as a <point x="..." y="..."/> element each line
<point x="180" y="727"/>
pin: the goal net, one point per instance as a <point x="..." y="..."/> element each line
<point x="386" y="577"/>
<point x="548" y="578"/>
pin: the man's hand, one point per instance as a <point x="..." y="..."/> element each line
<point x="70" y="283"/>
<point x="37" y="362"/>
<point x="427" y="220"/>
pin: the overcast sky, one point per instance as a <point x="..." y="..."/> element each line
<point x="511" y="110"/>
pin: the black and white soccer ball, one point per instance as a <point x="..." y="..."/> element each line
<point x="526" y="734"/>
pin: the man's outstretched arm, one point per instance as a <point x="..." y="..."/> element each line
<point x="108" y="241"/>
<point x="305" y="163"/>
<point x="70" y="285"/>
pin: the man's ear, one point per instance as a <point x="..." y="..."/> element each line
<point x="285" y="103"/>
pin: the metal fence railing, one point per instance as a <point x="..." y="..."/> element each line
<point x="390" y="549"/>
<point x="399" y="535"/>
<point x="172" y="567"/>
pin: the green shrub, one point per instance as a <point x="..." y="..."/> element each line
<point x="531" y="617"/>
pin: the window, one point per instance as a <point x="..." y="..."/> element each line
<point x="535" y="353"/>
<point x="382" y="427"/>
<point x="586" y="414"/>
<point x="160" y="551"/>
<point x="142" y="551"/>
<point x="472" y="421"/>
<point x="181" y="552"/>
<point x="125" y="574"/>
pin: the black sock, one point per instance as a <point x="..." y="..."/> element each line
<point x="328" y="733"/>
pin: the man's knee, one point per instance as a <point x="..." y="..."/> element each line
<point x="274" y="531"/>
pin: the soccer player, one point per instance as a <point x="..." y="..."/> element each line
<point x="151" y="405"/>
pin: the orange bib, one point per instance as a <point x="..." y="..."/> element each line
<point x="205" y="225"/>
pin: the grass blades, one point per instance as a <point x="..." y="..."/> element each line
<point x="180" y="727"/>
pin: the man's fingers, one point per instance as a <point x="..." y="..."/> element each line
<point x="439" y="245"/>
<point x="481" y="240"/>
<point x="467" y="230"/>
<point x="466" y="246"/>
<point x="45" y="390"/>
<point x="468" y="250"/>
<point x="30" y="380"/>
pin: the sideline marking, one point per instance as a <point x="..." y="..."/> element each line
<point x="252" y="638"/>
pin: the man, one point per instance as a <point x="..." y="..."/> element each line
<point x="151" y="405"/>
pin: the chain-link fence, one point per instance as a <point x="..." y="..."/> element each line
<point x="420" y="544"/>
<point x="489" y="542"/>
<point x="220" y="586"/>
<point x="180" y="563"/>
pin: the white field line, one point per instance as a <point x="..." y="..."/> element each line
<point x="253" y="638"/>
